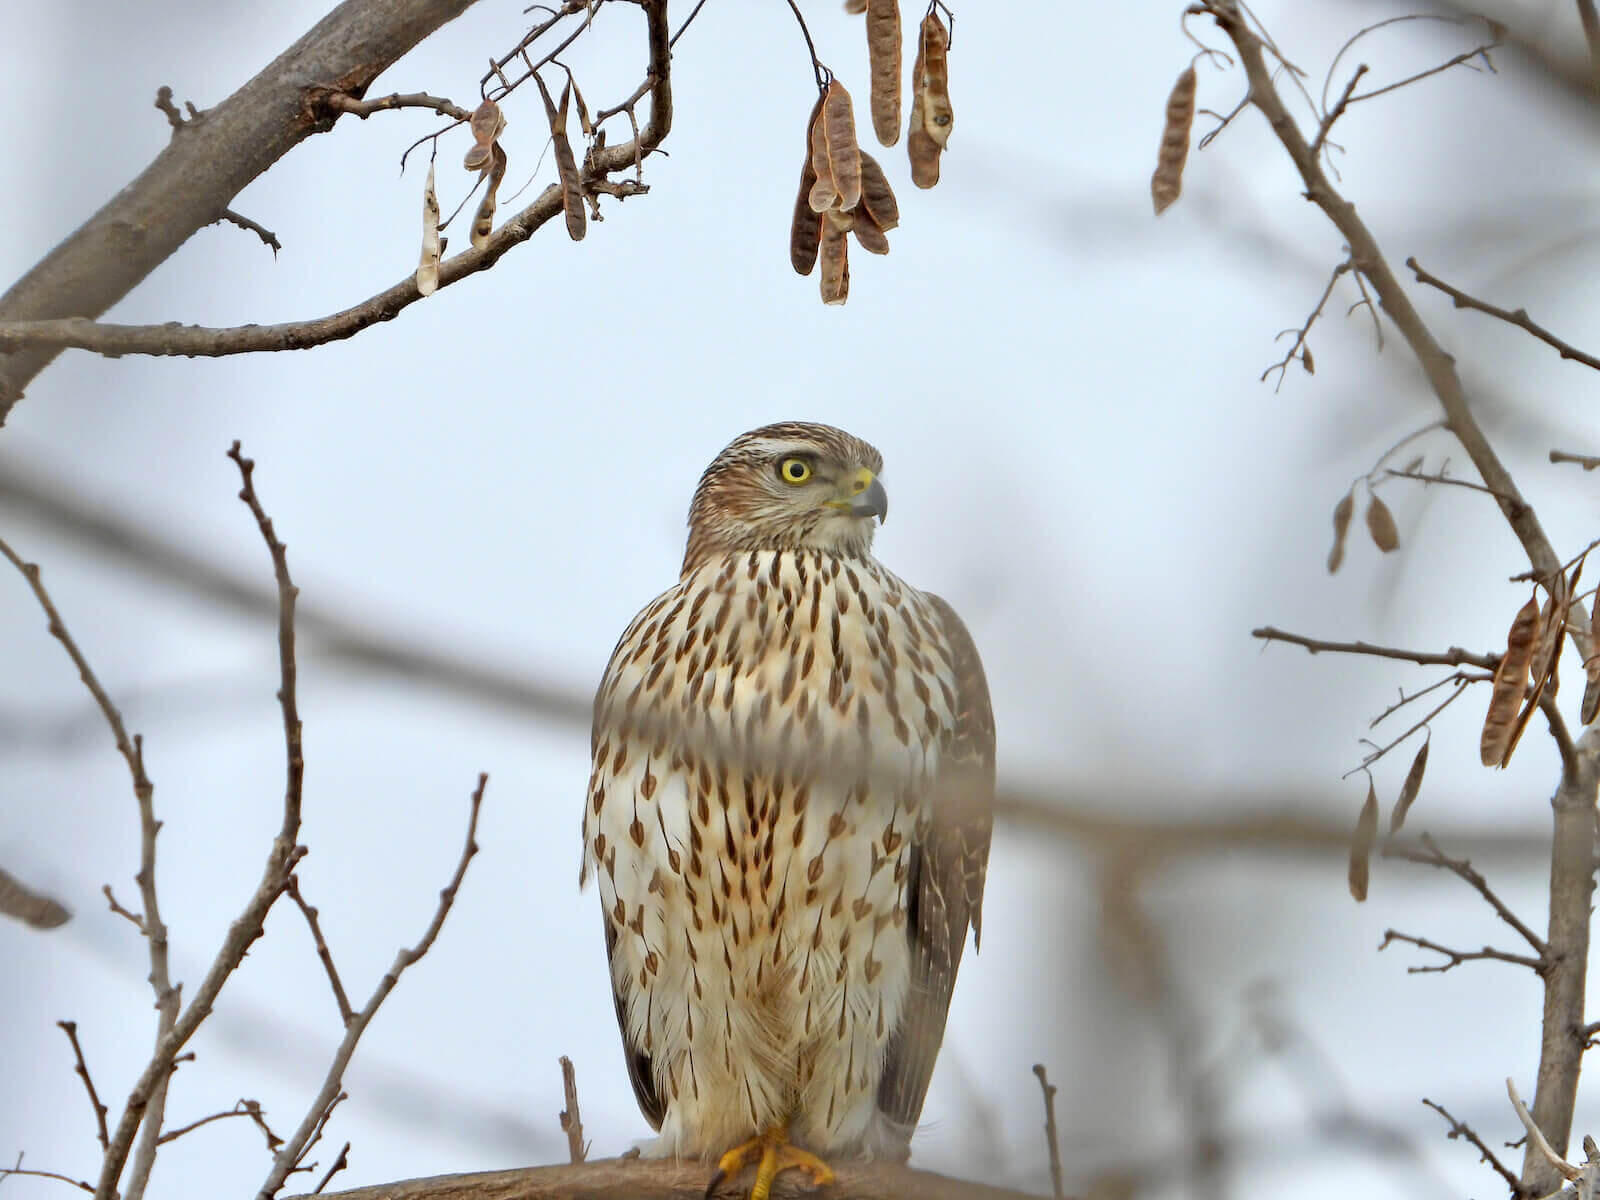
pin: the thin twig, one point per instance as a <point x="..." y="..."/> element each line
<point x="289" y="1156"/>
<point x="1453" y="657"/>
<point x="1431" y="856"/>
<point x="339" y="1164"/>
<point x="1518" y="317"/>
<point x="817" y="69"/>
<point x="70" y="1028"/>
<point x="571" y="1122"/>
<point x="1463" y="59"/>
<point x="1051" y="1137"/>
<point x="244" y="1108"/>
<point x="1298" y="348"/>
<point x="342" y="102"/>
<point x="1536" y="1139"/>
<point x="1456" y="677"/>
<point x="1455" y="957"/>
<point x="1424" y="477"/>
<point x="1587" y="461"/>
<point x="118" y="908"/>
<point x="266" y="235"/>
<point x="1460" y="1129"/>
<point x="1337" y="110"/>
<point x="346" y="1013"/>
<point x="29" y="1171"/>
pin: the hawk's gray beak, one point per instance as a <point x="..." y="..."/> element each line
<point x="871" y="501"/>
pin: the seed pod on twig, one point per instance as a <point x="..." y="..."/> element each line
<point x="823" y="194"/>
<point x="1342" y="513"/>
<point x="566" y="165"/>
<point x="1380" y="524"/>
<point x="1361" y="844"/>
<point x="868" y="232"/>
<point x="877" y="197"/>
<point x="1546" y="657"/>
<point x="1306" y="361"/>
<point x="931" y="116"/>
<point x="486" y="123"/>
<point x="483" y="219"/>
<point x="1510" y="681"/>
<point x="1166" y="184"/>
<point x="805" y="227"/>
<point x="428" y="266"/>
<point x="835" y="257"/>
<point x="844" y="154"/>
<point x="883" y="51"/>
<point x="1409" y="789"/>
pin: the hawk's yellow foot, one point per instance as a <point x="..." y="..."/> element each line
<point x="771" y="1152"/>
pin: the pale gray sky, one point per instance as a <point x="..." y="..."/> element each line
<point x="1080" y="458"/>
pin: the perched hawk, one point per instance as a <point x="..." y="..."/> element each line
<point x="788" y="818"/>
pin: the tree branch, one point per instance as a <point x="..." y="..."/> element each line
<point x="47" y="335"/>
<point x="1430" y="855"/>
<point x="70" y="1028"/>
<point x="209" y="160"/>
<point x="288" y="1158"/>
<point x="1460" y="1129"/>
<point x="1455" y="957"/>
<point x="658" y="1179"/>
<point x="1453" y="657"/>
<point x="1518" y="317"/>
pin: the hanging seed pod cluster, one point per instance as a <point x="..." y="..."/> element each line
<point x="843" y="190"/>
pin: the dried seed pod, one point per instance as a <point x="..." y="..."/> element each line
<point x="805" y="228"/>
<point x="1510" y="681"/>
<point x="1306" y="360"/>
<point x="566" y="164"/>
<point x="428" y="266"/>
<point x="868" y="232"/>
<point x="1380" y="524"/>
<point x="921" y="149"/>
<point x="844" y="154"/>
<point x="1546" y="656"/>
<point x="1166" y="184"/>
<point x="486" y="123"/>
<point x="883" y="55"/>
<point x="835" y="258"/>
<point x="1342" y="513"/>
<point x="1591" y="700"/>
<point x="933" y="79"/>
<point x="855" y="7"/>
<point x="483" y="219"/>
<point x="1361" y="844"/>
<point x="1409" y="789"/>
<point x="877" y="197"/>
<point x="823" y="194"/>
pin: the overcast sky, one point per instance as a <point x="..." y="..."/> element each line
<point x="1080" y="457"/>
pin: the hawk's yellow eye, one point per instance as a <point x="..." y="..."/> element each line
<point x="794" y="470"/>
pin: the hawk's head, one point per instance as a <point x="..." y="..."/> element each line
<point x="788" y="486"/>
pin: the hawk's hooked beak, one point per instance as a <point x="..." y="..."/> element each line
<point x="861" y="495"/>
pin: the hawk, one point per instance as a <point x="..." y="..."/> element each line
<point x="788" y="819"/>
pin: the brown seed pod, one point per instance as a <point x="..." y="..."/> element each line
<point x="1380" y="524"/>
<point x="823" y="194"/>
<point x="805" y="227"/>
<point x="1306" y="361"/>
<point x="1510" y="681"/>
<point x="868" y="232"/>
<point x="1409" y="789"/>
<point x="483" y="219"/>
<point x="1166" y="184"/>
<point x="486" y="123"/>
<point x="566" y="165"/>
<point x="432" y="247"/>
<point x="883" y="56"/>
<point x="855" y="7"/>
<point x="1591" y="700"/>
<point x="1342" y="513"/>
<point x="877" y="197"/>
<point x="921" y="149"/>
<point x="835" y="258"/>
<point x="844" y="154"/>
<point x="1361" y="845"/>
<point x="1546" y="656"/>
<point x="933" y="79"/>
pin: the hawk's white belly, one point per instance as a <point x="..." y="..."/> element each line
<point x="764" y="736"/>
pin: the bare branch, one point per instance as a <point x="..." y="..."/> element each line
<point x="268" y="238"/>
<point x="243" y="1108"/>
<point x="1336" y="112"/>
<point x="1518" y="317"/>
<point x="1455" y="957"/>
<point x="343" y="102"/>
<point x="571" y="1122"/>
<point x="118" y="908"/>
<point x="288" y="1158"/>
<point x="339" y="1164"/>
<point x="1460" y="1129"/>
<point x="1452" y="481"/>
<point x="70" y="1028"/>
<point x="1052" y="1138"/>
<point x="19" y="1169"/>
<point x="1430" y="855"/>
<point x="664" y="1179"/>
<point x="204" y="166"/>
<point x="346" y="1013"/>
<point x="1536" y="1139"/>
<point x="1453" y="657"/>
<point x="1587" y="461"/>
<point x="1298" y="348"/>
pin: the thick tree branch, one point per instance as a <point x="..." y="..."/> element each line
<point x="207" y="163"/>
<point x="27" y="334"/>
<point x="650" y="1179"/>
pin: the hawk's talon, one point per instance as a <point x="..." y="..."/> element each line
<point x="771" y="1152"/>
